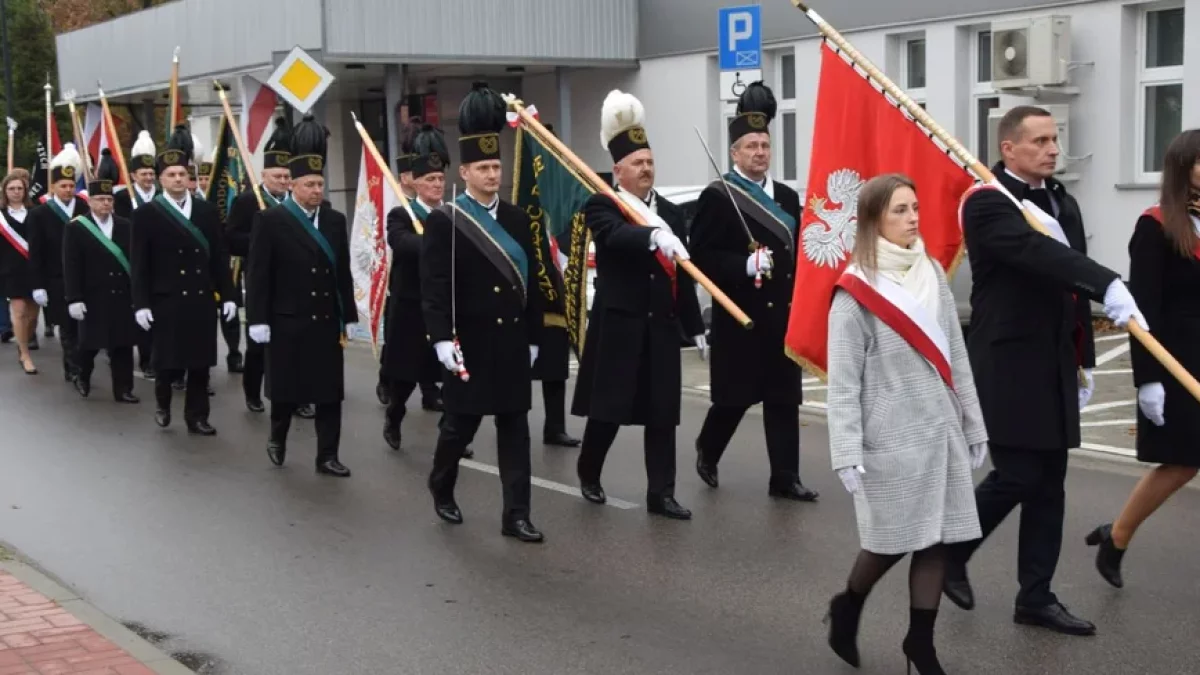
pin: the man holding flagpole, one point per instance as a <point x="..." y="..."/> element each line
<point x="142" y="192"/>
<point x="744" y="239"/>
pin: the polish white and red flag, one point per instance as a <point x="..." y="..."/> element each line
<point x="258" y="107"/>
<point x="98" y="136"/>
<point x="369" y="253"/>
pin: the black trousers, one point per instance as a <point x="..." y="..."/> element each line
<point x="195" y="399"/>
<point x="399" y="391"/>
<point x="781" y="424"/>
<point x="512" y="450"/>
<point x="68" y="335"/>
<point x="145" y="342"/>
<point x="252" y="370"/>
<point x="328" y="423"/>
<point x="554" y="395"/>
<point x="659" y="447"/>
<point x="120" y="362"/>
<point x="232" y="332"/>
<point x="1034" y="480"/>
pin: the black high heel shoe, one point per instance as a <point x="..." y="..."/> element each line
<point x="845" y="610"/>
<point x="918" y="644"/>
<point x="1108" y="556"/>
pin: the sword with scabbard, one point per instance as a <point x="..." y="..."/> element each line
<point x="755" y="247"/>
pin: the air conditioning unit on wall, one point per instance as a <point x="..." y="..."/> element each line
<point x="1031" y="52"/>
<point x="1061" y="113"/>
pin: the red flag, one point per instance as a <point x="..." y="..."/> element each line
<point x="369" y="251"/>
<point x="859" y="133"/>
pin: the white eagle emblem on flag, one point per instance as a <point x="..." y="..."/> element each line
<point x="830" y="240"/>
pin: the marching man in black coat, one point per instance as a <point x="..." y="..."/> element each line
<point x="483" y="312"/>
<point x="755" y="268"/>
<point x="1030" y="337"/>
<point x="408" y="359"/>
<point x="99" y="294"/>
<point x="46" y="226"/>
<point x="179" y="263"/>
<point x="300" y="297"/>
<point x="142" y="192"/>
<point x="631" y="373"/>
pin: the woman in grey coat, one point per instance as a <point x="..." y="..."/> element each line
<point x="904" y="421"/>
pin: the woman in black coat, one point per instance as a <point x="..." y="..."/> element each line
<point x="1164" y="277"/>
<point x="14" y="266"/>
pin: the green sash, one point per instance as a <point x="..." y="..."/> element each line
<point x="138" y="197"/>
<point x="301" y="217"/>
<point x="760" y="206"/>
<point x="499" y="236"/>
<point x="269" y="199"/>
<point x="183" y="222"/>
<point x="419" y="210"/>
<point x="62" y="215"/>
<point x="109" y="244"/>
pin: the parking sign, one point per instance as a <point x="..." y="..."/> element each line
<point x="739" y="37"/>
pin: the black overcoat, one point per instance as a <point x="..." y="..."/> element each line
<point x="95" y="277"/>
<point x="409" y="356"/>
<point x="45" y="238"/>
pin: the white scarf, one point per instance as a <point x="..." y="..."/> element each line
<point x="911" y="268"/>
<point x="648" y="213"/>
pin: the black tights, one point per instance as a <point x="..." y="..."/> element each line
<point x="925" y="574"/>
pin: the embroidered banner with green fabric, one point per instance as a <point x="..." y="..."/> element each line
<point x="108" y="243"/>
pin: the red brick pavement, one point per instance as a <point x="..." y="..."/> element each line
<point x="39" y="637"/>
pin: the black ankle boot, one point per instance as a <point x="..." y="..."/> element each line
<point x="844" y="612"/>
<point x="1108" y="557"/>
<point x="918" y="644"/>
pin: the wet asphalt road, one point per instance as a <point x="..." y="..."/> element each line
<point x="271" y="571"/>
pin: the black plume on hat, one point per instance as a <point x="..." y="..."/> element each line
<point x="429" y="151"/>
<point x="408" y="134"/>
<point x="281" y="137"/>
<point x="482" y="111"/>
<point x="309" y="137"/>
<point x="181" y="139"/>
<point x="106" y="169"/>
<point x="758" y="98"/>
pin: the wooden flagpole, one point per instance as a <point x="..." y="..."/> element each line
<point x="77" y="132"/>
<point x="387" y="173"/>
<point x="114" y="143"/>
<point x="12" y="130"/>
<point x="597" y="184"/>
<point x="963" y="155"/>
<point x="173" y="115"/>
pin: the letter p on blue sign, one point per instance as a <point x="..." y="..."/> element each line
<point x="739" y="37"/>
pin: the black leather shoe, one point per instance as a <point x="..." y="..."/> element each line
<point x="707" y="471"/>
<point x="1108" y="556"/>
<point x="126" y="397"/>
<point x="794" y="491"/>
<point x="276" y="452"/>
<point x="255" y="405"/>
<point x="958" y="588"/>
<point x="201" y="428"/>
<point x="468" y="453"/>
<point x="843" y="617"/>
<point x="446" y="509"/>
<point x="211" y="391"/>
<point x="179" y="385"/>
<point x="332" y="467"/>
<point x="1056" y="618"/>
<point x="305" y="412"/>
<point x="69" y="375"/>
<point x="233" y="363"/>
<point x="523" y="530"/>
<point x="382" y="393"/>
<point x="83" y="387"/>
<point x="432" y="404"/>
<point x="593" y="493"/>
<point x="391" y="436"/>
<point x="667" y="506"/>
<point x="561" y="439"/>
<point x="162" y="418"/>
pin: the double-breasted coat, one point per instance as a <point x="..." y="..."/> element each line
<point x="123" y="204"/>
<point x="177" y="271"/>
<point x="409" y="356"/>
<point x="306" y="295"/>
<point x="14" y="265"/>
<point x="97" y="278"/>
<point x="1030" y="315"/>
<point x="46" y="225"/>
<point x="630" y="372"/>
<point x="891" y="413"/>
<point x="1166" y="286"/>
<point x="748" y="366"/>
<point x="499" y="312"/>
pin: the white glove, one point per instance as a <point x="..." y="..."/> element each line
<point x="1085" y="392"/>
<point x="1152" y="398"/>
<point x="851" y="478"/>
<point x="77" y="310"/>
<point x="230" y="310"/>
<point x="759" y="262"/>
<point x="448" y="355"/>
<point x="666" y="241"/>
<point x="1120" y="306"/>
<point x="260" y="333"/>
<point x="702" y="347"/>
<point x="40" y="297"/>
<point x="978" y="454"/>
<point x="533" y="354"/>
<point x="144" y="318"/>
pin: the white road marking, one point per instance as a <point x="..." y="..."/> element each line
<point x="1108" y="423"/>
<point x="1124" y="452"/>
<point x="1106" y="406"/>
<point x="1112" y="354"/>
<point x="1112" y="338"/>
<point x="816" y="404"/>
<point x="547" y="484"/>
<point x="810" y="380"/>
<point x="819" y="387"/>
<point x="1114" y="371"/>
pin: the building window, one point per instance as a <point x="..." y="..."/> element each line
<point x="983" y="57"/>
<point x="789" y="146"/>
<point x="983" y="98"/>
<point x="785" y="150"/>
<point x="1160" y="84"/>
<point x="912" y="68"/>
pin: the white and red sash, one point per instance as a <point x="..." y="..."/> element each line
<point x="13" y="237"/>
<point x="1155" y="212"/>
<point x="1051" y="223"/>
<point x="897" y="308"/>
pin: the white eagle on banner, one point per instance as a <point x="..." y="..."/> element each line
<point x="830" y="240"/>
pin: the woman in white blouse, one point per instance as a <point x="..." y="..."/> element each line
<point x="14" y="265"/>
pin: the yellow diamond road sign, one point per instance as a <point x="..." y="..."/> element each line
<point x="300" y="80"/>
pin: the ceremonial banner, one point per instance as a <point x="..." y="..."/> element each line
<point x="258" y="107"/>
<point x="369" y="253"/>
<point x="98" y="136"/>
<point x="860" y="133"/>
<point x="553" y="196"/>
<point x="228" y="177"/>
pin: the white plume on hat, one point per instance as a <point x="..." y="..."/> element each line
<point x="144" y="145"/>
<point x="619" y="112"/>
<point x="197" y="148"/>
<point x="68" y="156"/>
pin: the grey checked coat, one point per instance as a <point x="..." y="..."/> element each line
<point x="891" y="413"/>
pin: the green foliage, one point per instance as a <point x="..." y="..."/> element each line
<point x="31" y="48"/>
